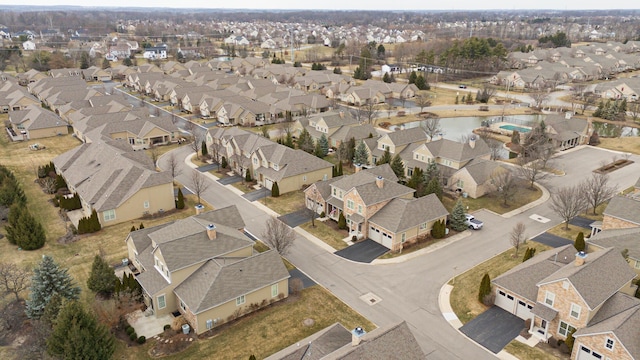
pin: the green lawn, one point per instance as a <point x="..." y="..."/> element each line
<point x="524" y="195"/>
<point x="526" y="352"/>
<point x="267" y="331"/>
<point x="327" y="233"/>
<point x="464" y="297"/>
<point x="285" y="203"/>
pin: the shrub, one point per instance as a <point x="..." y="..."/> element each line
<point x="142" y="340"/>
<point x="485" y="288"/>
<point x="130" y="330"/>
<point x="553" y="342"/>
<point x="180" y="201"/>
<point x="296" y="286"/>
<point x="275" y="190"/>
<point x="354" y="238"/>
<point x="342" y="222"/>
<point x="133" y="336"/>
<point x="322" y="214"/>
<point x="579" y="243"/>
<point x="167" y="327"/>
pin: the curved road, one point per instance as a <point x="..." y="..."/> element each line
<point x="409" y="290"/>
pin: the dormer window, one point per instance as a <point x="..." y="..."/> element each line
<point x="609" y="343"/>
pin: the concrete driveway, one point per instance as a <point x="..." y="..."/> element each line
<point x="296" y="218"/>
<point x="552" y="240"/>
<point x="230" y="180"/>
<point x="493" y="329"/>
<point x="364" y="251"/>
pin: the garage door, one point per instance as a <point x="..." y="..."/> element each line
<point x="505" y="301"/>
<point x="586" y="354"/>
<point x="523" y="310"/>
<point x="268" y="183"/>
<point x="387" y="240"/>
<point x="374" y="234"/>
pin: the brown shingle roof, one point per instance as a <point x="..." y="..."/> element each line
<point x="402" y="214"/>
<point x="625" y="208"/>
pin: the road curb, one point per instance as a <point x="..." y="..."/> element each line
<point x="428" y="249"/>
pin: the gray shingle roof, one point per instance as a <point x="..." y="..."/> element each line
<point x="620" y="239"/>
<point x="366" y="176"/>
<point x="543" y="311"/>
<point x="407" y="136"/>
<point x="625" y="208"/>
<point x="482" y="170"/>
<point x="402" y="214"/>
<point x="523" y="278"/>
<point x="316" y="346"/>
<point x="35" y="117"/>
<point x="457" y="151"/>
<point x="602" y="275"/>
<point x="215" y="282"/>
<point x="372" y="194"/>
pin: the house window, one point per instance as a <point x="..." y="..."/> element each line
<point x="460" y="184"/>
<point x="240" y="300"/>
<point x="183" y="306"/>
<point x="161" y="302"/>
<point x="255" y="161"/>
<point x="334" y="191"/>
<point x="417" y="156"/>
<point x="565" y="285"/>
<point x="575" y="311"/>
<point x="304" y="178"/>
<point x="549" y="298"/>
<point x="609" y="343"/>
<point x="637" y="264"/>
<point x="109" y="215"/>
<point x="564" y="329"/>
<point x="403" y="238"/>
<point x="209" y="324"/>
<point x="146" y="204"/>
<point x="274" y="290"/>
<point x="350" y="204"/>
<point x="423" y="226"/>
<point x="359" y="209"/>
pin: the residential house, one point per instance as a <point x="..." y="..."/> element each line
<point x="478" y="177"/>
<point x="141" y="133"/>
<point x="395" y="142"/>
<point x="14" y="97"/>
<point x="561" y="292"/>
<point x="205" y="268"/>
<point x="337" y="343"/>
<point x="35" y="123"/>
<point x="567" y="132"/>
<point x="155" y="52"/>
<point x="28" y="45"/>
<point x="94" y="73"/>
<point x="371" y="200"/>
<point x="336" y="126"/>
<point x="622" y="212"/>
<point x="625" y="240"/>
<point x="117" y="182"/>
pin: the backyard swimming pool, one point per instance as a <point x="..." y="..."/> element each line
<point x="514" y="128"/>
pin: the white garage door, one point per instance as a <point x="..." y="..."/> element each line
<point x="586" y="354"/>
<point x="504" y="301"/>
<point x="387" y="240"/>
<point x="374" y="234"/>
<point x="268" y="183"/>
<point x="523" y="310"/>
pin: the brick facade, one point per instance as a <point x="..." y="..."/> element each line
<point x="610" y="222"/>
<point x="562" y="303"/>
<point x="597" y="343"/>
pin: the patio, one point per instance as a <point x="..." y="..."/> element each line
<point x="148" y="325"/>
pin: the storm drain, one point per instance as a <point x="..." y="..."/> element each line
<point x="370" y="298"/>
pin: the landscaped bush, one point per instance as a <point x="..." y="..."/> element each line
<point x="142" y="340"/>
<point x="167" y="327"/>
<point x="322" y="214"/>
<point x="133" y="336"/>
<point x="130" y="330"/>
<point x="89" y="224"/>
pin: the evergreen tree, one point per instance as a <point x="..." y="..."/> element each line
<point x="203" y="148"/>
<point x="77" y="335"/>
<point x="485" y="288"/>
<point x="324" y="144"/>
<point x="339" y="173"/>
<point x="528" y="254"/>
<point x="458" y="217"/>
<point x="412" y="77"/>
<point x="434" y="187"/>
<point x="421" y="83"/>
<point x="361" y="154"/>
<point x="579" y="243"/>
<point x="305" y="142"/>
<point x="342" y="222"/>
<point x="397" y="166"/>
<point x="133" y="228"/>
<point x="48" y="279"/>
<point x="141" y="226"/>
<point x="275" y="190"/>
<point x="569" y="341"/>
<point x="385" y="158"/>
<point x="180" y="201"/>
<point x="351" y="150"/>
<point x="288" y="141"/>
<point x="52" y="310"/>
<point x="102" y="279"/>
<point x="24" y="230"/>
<point x="223" y="163"/>
<point x="317" y="150"/>
<point x="386" y="78"/>
<point x="416" y="182"/>
<point x="247" y="176"/>
<point x="431" y="172"/>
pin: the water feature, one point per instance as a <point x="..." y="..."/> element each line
<point x="514" y="127"/>
<point x="614" y="130"/>
<point x="456" y="128"/>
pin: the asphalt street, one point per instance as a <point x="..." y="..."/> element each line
<point x="409" y="290"/>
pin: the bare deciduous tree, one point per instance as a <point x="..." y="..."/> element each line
<point x="369" y="111"/>
<point x="517" y="236"/>
<point x="173" y="165"/>
<point x="531" y="168"/>
<point x="506" y="184"/>
<point x="199" y="183"/>
<point x="568" y="202"/>
<point x="597" y="190"/>
<point x="422" y="102"/>
<point x="154" y="153"/>
<point x="495" y="146"/>
<point x="431" y="127"/>
<point x="197" y="140"/>
<point x="13" y="279"/>
<point x="278" y="236"/>
<point x="539" y="98"/>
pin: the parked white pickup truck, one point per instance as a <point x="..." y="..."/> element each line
<point x="473" y="223"/>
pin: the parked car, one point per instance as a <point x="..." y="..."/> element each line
<point x="462" y="86"/>
<point x="473" y="223"/>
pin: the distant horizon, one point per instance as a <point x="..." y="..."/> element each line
<point x="338" y="5"/>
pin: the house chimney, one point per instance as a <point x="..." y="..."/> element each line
<point x="356" y="336"/>
<point x="472" y="141"/>
<point x="199" y="209"/>
<point x="211" y="232"/>
<point x="379" y="182"/>
<point x="358" y="167"/>
<point x="580" y="256"/>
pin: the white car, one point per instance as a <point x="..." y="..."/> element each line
<point x="473" y="223"/>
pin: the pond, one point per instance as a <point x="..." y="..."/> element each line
<point x="614" y="130"/>
<point x="456" y="128"/>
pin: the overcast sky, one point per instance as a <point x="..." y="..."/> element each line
<point x="350" y="5"/>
